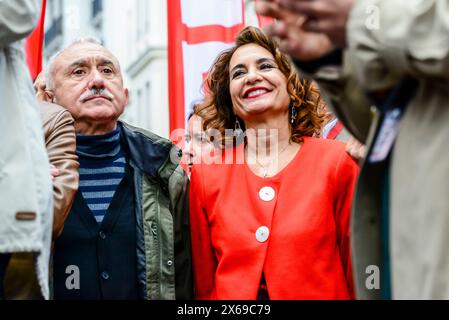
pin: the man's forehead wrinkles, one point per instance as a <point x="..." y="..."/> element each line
<point x="98" y="60"/>
<point x="79" y="62"/>
<point x="97" y="53"/>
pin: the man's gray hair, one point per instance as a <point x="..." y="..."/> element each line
<point x="49" y="69"/>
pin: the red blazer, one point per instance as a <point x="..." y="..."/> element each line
<point x="304" y="249"/>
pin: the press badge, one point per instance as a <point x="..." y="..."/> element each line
<point x="386" y="137"/>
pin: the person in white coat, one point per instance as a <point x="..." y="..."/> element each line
<point x="26" y="214"/>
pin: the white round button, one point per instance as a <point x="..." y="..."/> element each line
<point x="262" y="234"/>
<point x="266" y="193"/>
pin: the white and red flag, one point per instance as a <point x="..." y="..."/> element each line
<point x="197" y="31"/>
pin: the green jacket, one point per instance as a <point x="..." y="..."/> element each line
<point x="163" y="231"/>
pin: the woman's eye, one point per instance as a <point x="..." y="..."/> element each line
<point x="237" y="74"/>
<point x="265" y="66"/>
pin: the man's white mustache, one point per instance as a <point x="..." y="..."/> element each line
<point x="104" y="93"/>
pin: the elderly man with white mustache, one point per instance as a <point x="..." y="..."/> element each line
<point x="127" y="234"/>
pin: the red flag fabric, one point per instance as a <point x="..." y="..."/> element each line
<point x="34" y="45"/>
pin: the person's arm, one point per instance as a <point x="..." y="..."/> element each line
<point x="18" y="18"/>
<point x="345" y="182"/>
<point x="60" y="141"/>
<point x="204" y="261"/>
<point x="390" y="40"/>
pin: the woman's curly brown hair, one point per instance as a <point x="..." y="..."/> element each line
<point x="217" y="112"/>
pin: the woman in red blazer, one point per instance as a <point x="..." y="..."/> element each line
<point x="270" y="217"/>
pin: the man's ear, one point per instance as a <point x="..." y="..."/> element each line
<point x="127" y="96"/>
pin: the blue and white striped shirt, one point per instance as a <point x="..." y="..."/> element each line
<point x="102" y="168"/>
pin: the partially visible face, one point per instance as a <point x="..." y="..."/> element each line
<point x="88" y="83"/>
<point x="257" y="85"/>
<point x="196" y="142"/>
<point x="40" y="87"/>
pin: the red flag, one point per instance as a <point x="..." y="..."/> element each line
<point x="34" y="45"/>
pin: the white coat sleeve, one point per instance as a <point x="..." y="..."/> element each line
<point x="18" y="18"/>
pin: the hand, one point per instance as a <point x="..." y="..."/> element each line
<point x="328" y="17"/>
<point x="54" y="172"/>
<point x="294" y="40"/>
<point x="356" y="149"/>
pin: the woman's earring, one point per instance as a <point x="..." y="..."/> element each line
<point x="237" y="129"/>
<point x="294" y="114"/>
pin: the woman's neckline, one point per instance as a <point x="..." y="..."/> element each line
<point x="283" y="170"/>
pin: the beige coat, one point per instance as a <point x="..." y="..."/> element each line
<point x="26" y="214"/>
<point x="60" y="142"/>
<point x="411" y="40"/>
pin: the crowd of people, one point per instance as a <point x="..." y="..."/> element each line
<point x="314" y="167"/>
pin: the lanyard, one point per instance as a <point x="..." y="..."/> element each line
<point x="392" y="109"/>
